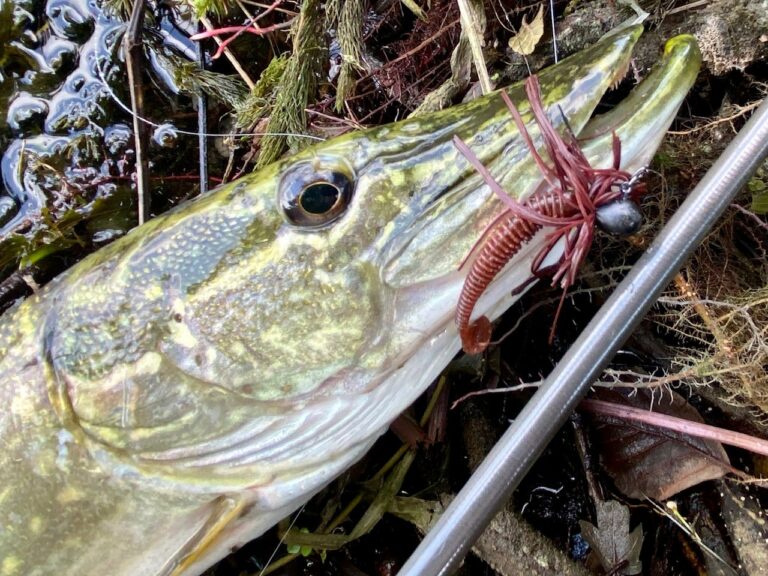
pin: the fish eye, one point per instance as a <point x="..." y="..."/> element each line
<point x="312" y="195"/>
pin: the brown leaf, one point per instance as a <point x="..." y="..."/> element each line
<point x="646" y="460"/>
<point x="524" y="42"/>
<point x="611" y="539"/>
<point x="744" y="519"/>
<point x="408" y="430"/>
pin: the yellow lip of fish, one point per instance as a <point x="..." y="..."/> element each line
<point x="181" y="390"/>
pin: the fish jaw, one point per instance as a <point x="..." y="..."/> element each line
<point x="639" y="121"/>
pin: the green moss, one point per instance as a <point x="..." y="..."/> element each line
<point x="119" y="8"/>
<point x="258" y="104"/>
<point x="191" y="79"/>
<point x="349" y="32"/>
<point x="297" y="84"/>
<point x="215" y="7"/>
<point x="758" y="187"/>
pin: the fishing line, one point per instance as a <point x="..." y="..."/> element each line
<point x="554" y="33"/>
<point x="149" y="122"/>
<point x="282" y="539"/>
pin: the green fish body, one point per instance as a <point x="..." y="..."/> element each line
<point x="181" y="390"/>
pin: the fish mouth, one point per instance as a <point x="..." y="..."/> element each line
<point x="640" y="122"/>
<point x="452" y="209"/>
<point x="642" y="118"/>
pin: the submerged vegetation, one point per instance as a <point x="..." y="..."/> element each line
<point x="293" y="71"/>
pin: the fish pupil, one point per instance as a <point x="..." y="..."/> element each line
<point x="319" y="198"/>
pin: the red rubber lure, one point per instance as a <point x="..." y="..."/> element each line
<point x="568" y="201"/>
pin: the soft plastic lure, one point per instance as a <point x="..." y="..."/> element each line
<point x="573" y="197"/>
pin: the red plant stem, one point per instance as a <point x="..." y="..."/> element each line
<point x="250" y="29"/>
<point x="729" y="437"/>
<point x="268" y="9"/>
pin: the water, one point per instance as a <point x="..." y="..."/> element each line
<point x="67" y="150"/>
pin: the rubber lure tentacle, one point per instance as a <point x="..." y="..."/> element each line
<point x="573" y="193"/>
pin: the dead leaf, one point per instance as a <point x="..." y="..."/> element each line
<point x="524" y="42"/>
<point x="744" y="520"/>
<point x="611" y="539"/>
<point x="646" y="460"/>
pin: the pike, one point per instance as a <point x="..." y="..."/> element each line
<point x="181" y="390"/>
